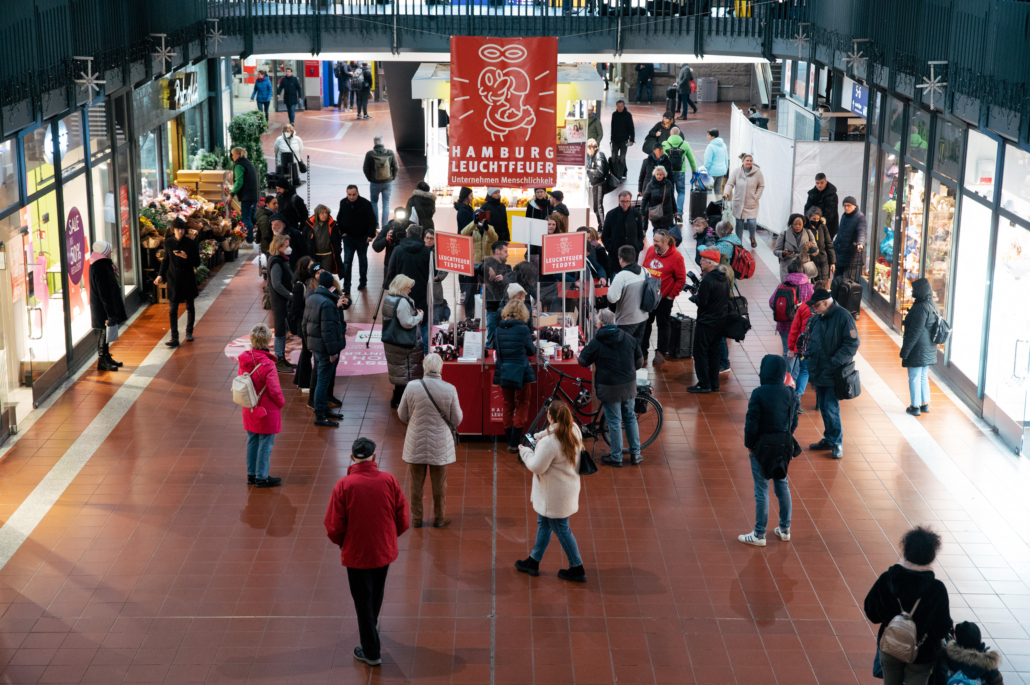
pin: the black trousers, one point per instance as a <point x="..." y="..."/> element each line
<point x="344" y="96"/>
<point x="363" y="102"/>
<point x="173" y="316"/>
<point x="597" y="204"/>
<point x="366" y="587"/>
<point x="637" y="331"/>
<point x="618" y="153"/>
<point x="706" y="355"/>
<point x="662" y="314"/>
<point x="101" y="334"/>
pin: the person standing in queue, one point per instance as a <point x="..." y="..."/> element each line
<point x="106" y="307"/>
<point x="622" y="227"/>
<point x="357" y="223"/>
<point x="663" y="261"/>
<point x="264" y="421"/>
<point x="401" y="338"/>
<point x="832" y="343"/>
<point x="245" y="189"/>
<point x="712" y="299"/>
<point x="322" y="234"/>
<point x="280" y="285"/>
<point x="326" y="331"/>
<point x="178" y="268"/>
<point x="513" y="372"/>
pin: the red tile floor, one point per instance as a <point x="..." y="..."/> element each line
<point x="157" y="563"/>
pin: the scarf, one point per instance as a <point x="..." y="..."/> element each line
<point x="906" y="564"/>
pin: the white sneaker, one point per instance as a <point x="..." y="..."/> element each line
<point x="752" y="539"/>
<point x="783" y="534"/>
<point x="305" y="391"/>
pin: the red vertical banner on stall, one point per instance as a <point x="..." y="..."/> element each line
<point x="503" y="104"/>
<point x="454" y="253"/>
<point x="563" y="252"/>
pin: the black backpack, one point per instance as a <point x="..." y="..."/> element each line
<point x="652" y="292"/>
<point x="676" y="154"/>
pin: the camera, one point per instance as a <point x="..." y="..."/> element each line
<point x="694" y="283"/>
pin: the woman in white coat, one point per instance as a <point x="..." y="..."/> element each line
<point x="746" y="186"/>
<point x="429" y="444"/>
<point x="555" y="496"/>
<point x="289" y="141"/>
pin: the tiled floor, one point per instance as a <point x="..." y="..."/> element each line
<point x="157" y="564"/>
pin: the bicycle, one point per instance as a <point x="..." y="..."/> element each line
<point x="648" y="410"/>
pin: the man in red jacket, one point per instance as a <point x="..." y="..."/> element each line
<point x="367" y="512"/>
<point x="663" y="261"/>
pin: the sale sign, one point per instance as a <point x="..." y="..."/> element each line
<point x="563" y="252"/>
<point x="503" y="102"/>
<point x="454" y="253"/>
<point x="75" y="229"/>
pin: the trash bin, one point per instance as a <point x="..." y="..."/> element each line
<point x="708" y="89"/>
<point x="312" y="102"/>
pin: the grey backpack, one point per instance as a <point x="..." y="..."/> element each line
<point x="900" y="638"/>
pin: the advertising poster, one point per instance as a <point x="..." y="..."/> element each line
<point x="76" y="232"/>
<point x="16" y="254"/>
<point x="503" y="103"/>
<point x="454" y="253"/>
<point x="563" y="252"/>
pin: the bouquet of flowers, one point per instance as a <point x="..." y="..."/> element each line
<point x="207" y="248"/>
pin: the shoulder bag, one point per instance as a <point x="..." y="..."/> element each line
<point x="774" y="451"/>
<point x="396" y="334"/>
<point x="657" y="213"/>
<point x="738" y="320"/>
<point x="454" y="429"/>
<point x="847" y="384"/>
<point x="303" y="167"/>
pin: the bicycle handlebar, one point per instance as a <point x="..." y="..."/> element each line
<point x="578" y="381"/>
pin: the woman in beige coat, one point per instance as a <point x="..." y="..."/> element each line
<point x="746" y="186"/>
<point x="554" y="463"/>
<point x="428" y="444"/>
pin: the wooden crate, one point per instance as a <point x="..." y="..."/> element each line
<point x="162" y="293"/>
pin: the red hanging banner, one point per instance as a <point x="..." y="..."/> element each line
<point x="454" y="253"/>
<point x="563" y="252"/>
<point x="503" y="102"/>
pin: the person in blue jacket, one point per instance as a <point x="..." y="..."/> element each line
<point x="717" y="160"/>
<point x="262" y="92"/>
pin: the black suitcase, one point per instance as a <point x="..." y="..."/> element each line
<point x="681" y="338"/>
<point x="672" y="101"/>
<point x="617" y="168"/>
<point x="698" y="203"/>
<point x="848" y="294"/>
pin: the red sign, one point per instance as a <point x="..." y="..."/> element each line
<point x="454" y="253"/>
<point x="503" y="102"/>
<point x="563" y="252"/>
<point x="572" y="154"/>
<point x="16" y="253"/>
<point x="123" y="204"/>
<point x="311" y="68"/>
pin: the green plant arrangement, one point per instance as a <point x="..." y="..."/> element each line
<point x="890" y="207"/>
<point x="155" y="217"/>
<point x="207" y="161"/>
<point x="245" y="130"/>
<point x="202" y="273"/>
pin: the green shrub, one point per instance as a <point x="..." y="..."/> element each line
<point x="207" y="161"/>
<point x="245" y="131"/>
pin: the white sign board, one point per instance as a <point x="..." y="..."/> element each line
<point x="527" y="231"/>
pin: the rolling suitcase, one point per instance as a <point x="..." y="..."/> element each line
<point x="698" y="203"/>
<point x="681" y="337"/>
<point x="848" y="294"/>
<point x="672" y="100"/>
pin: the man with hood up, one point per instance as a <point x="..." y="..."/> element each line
<point x="967" y="653"/>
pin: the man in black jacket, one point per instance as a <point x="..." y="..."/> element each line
<point x="771" y="409"/>
<point x="597" y="174"/>
<point x="824" y="196"/>
<point x="390" y="237"/>
<point x="622" y="226"/>
<point x="833" y="342"/>
<point x="645" y="74"/>
<point x="342" y="72"/>
<point x="411" y="258"/>
<point x="289" y="88"/>
<point x="557" y="204"/>
<point x="713" y="303"/>
<point x="357" y="223"/>
<point x="624" y="134"/>
<point x="326" y="338"/>
<point x="294" y="214"/>
<point x="616" y="355"/>
<point x="657" y="157"/>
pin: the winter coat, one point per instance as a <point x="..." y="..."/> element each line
<point x="514" y="348"/>
<point x="826" y="200"/>
<point x="293" y="145"/>
<point x="403" y="364"/>
<point x="384" y="242"/>
<point x="298" y="246"/>
<point x="677" y="142"/>
<point x="356" y="220"/>
<point x="532" y="211"/>
<point x="626" y="291"/>
<point x="245" y="181"/>
<point x="683" y="79"/>
<point x="263" y="226"/>
<point x="713" y="298"/>
<point x="805" y="291"/>
<point x="824" y="243"/>
<point x="621" y="228"/>
<point x="657" y="135"/>
<point x="597" y="168"/>
<point x="852" y="231"/>
<point x="556" y="484"/>
<point x="180" y="272"/>
<point x="482" y="241"/>
<point x="467" y="215"/>
<point x="793" y="242"/>
<point x="495" y="290"/>
<point x="343" y="75"/>
<point x="725" y="245"/>
<point x="747" y="188"/>
<point x="262" y="90"/>
<point x="717" y="158"/>
<point x="561" y="208"/>
<point x="977" y="664"/>
<point x="323" y="323"/>
<point x="647" y="170"/>
<point x="105" y="294"/>
<point x="669" y="267"/>
<point x="367" y="513"/>
<point x="272" y="400"/>
<point x="622" y="129"/>
<point x="498" y="219"/>
<point x="369" y="165"/>
<point x="773" y="407"/>
<point x="617" y="357"/>
<point x="932" y="617"/>
<point x="289" y="88"/>
<point x="917" y="349"/>
<point x="424" y="203"/>
<point x="798" y="325"/>
<point x="334" y="260"/>
<point x="292" y="209"/>
<point x="833" y="343"/>
<point x="594" y="129"/>
<point x="280" y="282"/>
<point x="660" y="193"/>
<point x="411" y="258"/>
<point x="428" y="438"/>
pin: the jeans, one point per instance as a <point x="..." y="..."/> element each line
<point x="351" y="248"/>
<point x="424" y="330"/>
<point x="724" y="354"/>
<point x="662" y="313"/>
<point x="263" y="108"/>
<point x="280" y="346"/>
<point x="173" y="317"/>
<point x="829" y="406"/>
<point x="247" y="210"/>
<point x="751" y="224"/>
<point x="366" y="588"/>
<point x="363" y="102"/>
<point x="560" y="527"/>
<point x="801" y="380"/>
<point x="686" y="100"/>
<point x="640" y="89"/>
<point x="919" y="385"/>
<point x="897" y="672"/>
<point x="786" y="348"/>
<point x="782" y="489"/>
<point x="292" y="111"/>
<point x="619" y="415"/>
<point x="323" y="367"/>
<point x="438" y="478"/>
<point x="679" y="179"/>
<point x="259" y="453"/>
<point x="374" y="191"/>
<point x="492" y="319"/>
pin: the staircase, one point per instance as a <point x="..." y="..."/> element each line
<point x="777" y="80"/>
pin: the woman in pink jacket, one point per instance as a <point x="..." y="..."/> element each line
<point x="263" y="421"/>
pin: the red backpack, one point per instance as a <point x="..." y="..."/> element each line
<point x="743" y="263"/>
<point x="785" y="302"/>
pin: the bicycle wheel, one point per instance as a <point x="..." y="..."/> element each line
<point x="649" y="422"/>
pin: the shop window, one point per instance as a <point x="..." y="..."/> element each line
<point x="894" y="124"/>
<point x="868" y="256"/>
<point x="911" y="235"/>
<point x="99" y="142"/>
<point x="120" y="118"/>
<point x="39" y="159"/>
<point x="72" y="145"/>
<point x="14" y="338"/>
<point x="8" y="174"/>
<point x="123" y="213"/>
<point x="78" y="240"/>
<point x="874" y="113"/>
<point x="192" y="134"/>
<point x="939" y="243"/>
<point x="1015" y="189"/>
<point x="947" y="151"/>
<point x="801" y="80"/>
<point x="105" y="210"/>
<point x="918" y="134"/>
<point x="168" y="166"/>
<point x="42" y="307"/>
<point x="883" y="249"/>
<point x="981" y="162"/>
<point x="148" y="168"/>
<point x="974" y="242"/>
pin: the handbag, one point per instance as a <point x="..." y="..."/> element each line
<point x="587" y="467"/>
<point x="657" y="213"/>
<point x="693" y="86"/>
<point x="112" y="333"/>
<point x="396" y="334"/>
<point x="454" y="429"/>
<point x="266" y="298"/>
<point x="847" y="384"/>
<point x="739" y="321"/>
<point x="303" y="167"/>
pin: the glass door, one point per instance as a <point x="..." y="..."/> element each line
<point x="882" y="246"/>
<point x="938" y="256"/>
<point x="911" y="238"/>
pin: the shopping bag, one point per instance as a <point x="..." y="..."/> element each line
<point x="112" y="334"/>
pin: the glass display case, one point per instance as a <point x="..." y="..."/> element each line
<point x="918" y="134"/>
<point x="911" y="236"/>
<point x="869" y="256"/>
<point x="974" y="243"/>
<point x="939" y="234"/>
<point x="883" y="249"/>
<point x="893" y="125"/>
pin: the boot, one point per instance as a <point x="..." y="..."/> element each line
<point x="529" y="565"/>
<point x="576" y="574"/>
<point x="104" y="365"/>
<point x="283" y="366"/>
<point x="514" y="438"/>
<point x="321" y="420"/>
<point x="112" y="361"/>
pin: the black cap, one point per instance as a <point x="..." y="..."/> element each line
<point x="967" y="635"/>
<point x="325" y="278"/>
<point x="849" y="200"/>
<point x="363" y="448"/>
<point x="820" y="295"/>
<point x="277" y="217"/>
<point x="557" y="195"/>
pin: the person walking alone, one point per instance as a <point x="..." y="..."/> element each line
<point x="367" y="513"/>
<point x="554" y="463"/>
<point x="680" y="156"/>
<point x="918" y="353"/>
<point x="683" y="81"/>
<point x="178" y="268"/>
<point x="624" y="134"/>
<point x="264" y="421"/>
<point x="289" y="88"/>
<point x="833" y="343"/>
<point x="717" y="161"/>
<point x="746" y="185"/>
<point x="106" y="307"/>
<point x="430" y="409"/>
<point x="262" y="92"/>
<point x="597" y="175"/>
<point x="380" y="169"/>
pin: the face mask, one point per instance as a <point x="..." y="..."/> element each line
<point x="288" y="251"/>
<point x="288" y="135"/>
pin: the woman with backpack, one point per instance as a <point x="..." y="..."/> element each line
<point x="905" y="594"/>
<point x="264" y="421"/>
<point x="796" y="243"/>
<point x="513" y="372"/>
<point x="918" y="353"/>
<point x="786" y="298"/>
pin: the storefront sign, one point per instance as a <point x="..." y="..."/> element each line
<point x="572" y="154"/>
<point x="183" y="90"/>
<point x="16" y="254"/>
<point x="563" y="252"/>
<point x="454" y="253"/>
<point x="76" y="232"/>
<point x="860" y="100"/>
<point x="123" y="204"/>
<point x="503" y="103"/>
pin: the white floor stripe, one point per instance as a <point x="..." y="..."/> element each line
<point x="39" y="502"/>
<point x="339" y="134"/>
